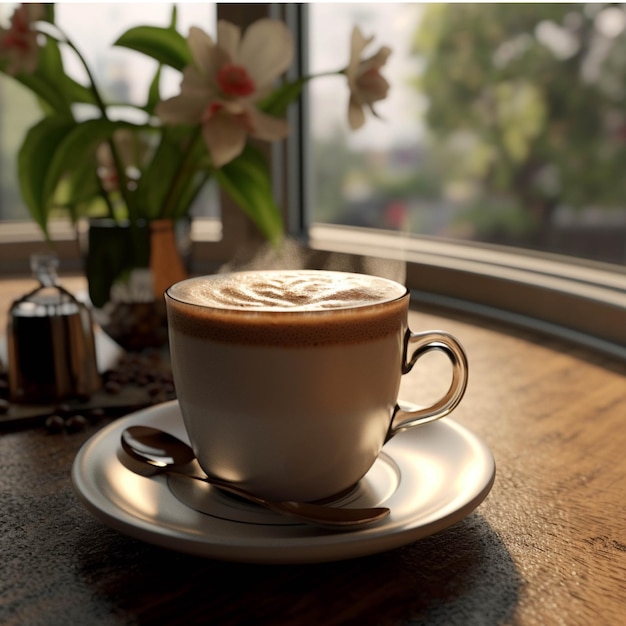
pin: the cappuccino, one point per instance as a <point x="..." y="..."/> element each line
<point x="287" y="308"/>
<point x="288" y="380"/>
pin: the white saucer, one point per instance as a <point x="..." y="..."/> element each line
<point x="430" y="477"/>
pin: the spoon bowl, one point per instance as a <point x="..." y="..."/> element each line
<point x="156" y="447"/>
<point x="168" y="454"/>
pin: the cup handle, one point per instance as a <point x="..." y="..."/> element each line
<point x="405" y="417"/>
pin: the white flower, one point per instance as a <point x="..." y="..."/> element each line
<point x="226" y="80"/>
<point x="18" y="43"/>
<point x="366" y="83"/>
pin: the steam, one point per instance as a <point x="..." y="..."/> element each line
<point x="294" y="256"/>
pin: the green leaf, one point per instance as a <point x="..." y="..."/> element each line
<point x="279" y="100"/>
<point x="156" y="178"/>
<point x="33" y="162"/>
<point x="247" y="181"/>
<point x="83" y="187"/>
<point x="77" y="146"/>
<point x="153" y="92"/>
<point x="56" y="148"/>
<point x="76" y="92"/>
<point x="174" y="18"/>
<point x="165" y="45"/>
<point x="154" y="95"/>
<point x="47" y="91"/>
<point x="50" y="69"/>
<point x="189" y="193"/>
<point x="50" y="61"/>
<point x="49" y="82"/>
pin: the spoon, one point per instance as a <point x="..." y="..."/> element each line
<point x="168" y="454"/>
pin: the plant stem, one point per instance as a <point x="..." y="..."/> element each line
<point x="181" y="176"/>
<point x="194" y="194"/>
<point x="119" y="166"/>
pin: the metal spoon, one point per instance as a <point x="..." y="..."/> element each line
<point x="168" y="454"/>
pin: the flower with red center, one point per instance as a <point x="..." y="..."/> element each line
<point x="234" y="81"/>
<point x="228" y="77"/>
<point x="367" y="85"/>
<point x="18" y="43"/>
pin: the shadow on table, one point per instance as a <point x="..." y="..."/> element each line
<point x="463" y="575"/>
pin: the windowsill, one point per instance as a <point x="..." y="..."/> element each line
<point x="20" y="239"/>
<point x="582" y="302"/>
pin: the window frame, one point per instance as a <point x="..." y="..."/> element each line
<point x="581" y="301"/>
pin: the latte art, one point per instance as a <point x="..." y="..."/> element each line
<point x="294" y="308"/>
<point x="287" y="291"/>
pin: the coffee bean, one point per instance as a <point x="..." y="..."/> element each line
<point x="75" y="423"/>
<point x="55" y="424"/>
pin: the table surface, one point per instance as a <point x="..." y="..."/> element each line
<point x="547" y="546"/>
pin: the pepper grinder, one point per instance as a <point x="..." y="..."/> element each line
<point x="51" y="347"/>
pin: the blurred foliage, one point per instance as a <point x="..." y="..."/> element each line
<point x="331" y="157"/>
<point x="528" y="101"/>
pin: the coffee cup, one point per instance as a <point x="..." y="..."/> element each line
<point x="288" y="380"/>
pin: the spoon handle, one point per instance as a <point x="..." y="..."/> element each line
<point x="230" y="488"/>
<point x="164" y="453"/>
<point x="317" y="514"/>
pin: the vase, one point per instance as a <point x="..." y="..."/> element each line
<point x="128" y="266"/>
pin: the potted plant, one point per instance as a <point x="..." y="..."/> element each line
<point x="140" y="168"/>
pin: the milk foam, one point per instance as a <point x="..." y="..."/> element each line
<point x="287" y="308"/>
<point x="287" y="291"/>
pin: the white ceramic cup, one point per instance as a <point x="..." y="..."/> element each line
<point x="288" y="381"/>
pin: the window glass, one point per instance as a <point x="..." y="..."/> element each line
<point x="504" y="123"/>
<point x="123" y="75"/>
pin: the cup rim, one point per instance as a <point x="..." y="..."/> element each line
<point x="283" y="311"/>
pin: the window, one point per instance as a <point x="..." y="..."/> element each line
<point x="504" y="124"/>
<point x="496" y="170"/>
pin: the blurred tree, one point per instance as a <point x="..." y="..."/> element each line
<point x="529" y="100"/>
<point x="334" y="161"/>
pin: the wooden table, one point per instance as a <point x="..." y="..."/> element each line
<point x="547" y="546"/>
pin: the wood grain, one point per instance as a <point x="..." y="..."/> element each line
<point x="548" y="545"/>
